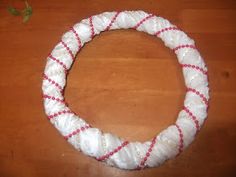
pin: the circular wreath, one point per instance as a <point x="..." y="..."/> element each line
<point x="106" y="146"/>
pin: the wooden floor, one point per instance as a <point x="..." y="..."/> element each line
<point x="124" y="82"/>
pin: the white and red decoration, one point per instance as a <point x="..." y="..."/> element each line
<point x="107" y="147"/>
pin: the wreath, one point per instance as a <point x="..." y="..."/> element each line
<point x="107" y="147"/>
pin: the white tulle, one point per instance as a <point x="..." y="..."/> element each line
<point x="94" y="142"/>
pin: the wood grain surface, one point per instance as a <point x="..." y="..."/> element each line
<point x="124" y="82"/>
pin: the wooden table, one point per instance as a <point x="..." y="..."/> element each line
<point x="124" y="82"/>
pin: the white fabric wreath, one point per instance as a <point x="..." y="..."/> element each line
<point x="108" y="147"/>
